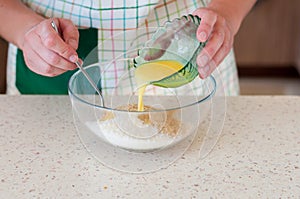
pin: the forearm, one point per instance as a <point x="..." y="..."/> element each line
<point x="18" y="19"/>
<point x="233" y="10"/>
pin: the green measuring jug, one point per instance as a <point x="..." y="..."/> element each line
<point x="176" y="40"/>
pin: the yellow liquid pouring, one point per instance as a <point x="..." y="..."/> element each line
<point x="153" y="71"/>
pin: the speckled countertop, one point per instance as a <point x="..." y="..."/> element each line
<point x="257" y="155"/>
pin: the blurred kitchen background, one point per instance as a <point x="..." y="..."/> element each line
<point x="267" y="49"/>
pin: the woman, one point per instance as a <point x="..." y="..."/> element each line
<point x="41" y="62"/>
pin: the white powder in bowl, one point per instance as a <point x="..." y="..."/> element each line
<point x="110" y="132"/>
<point x="117" y="137"/>
<point x="143" y="131"/>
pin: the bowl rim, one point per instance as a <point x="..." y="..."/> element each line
<point x="71" y="93"/>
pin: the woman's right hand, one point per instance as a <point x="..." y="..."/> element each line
<point x="49" y="53"/>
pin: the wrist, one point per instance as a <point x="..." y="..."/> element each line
<point x="233" y="11"/>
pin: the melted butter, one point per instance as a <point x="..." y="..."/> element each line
<point x="140" y="100"/>
<point x="153" y="71"/>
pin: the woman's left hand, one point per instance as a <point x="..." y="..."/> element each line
<point x="217" y="31"/>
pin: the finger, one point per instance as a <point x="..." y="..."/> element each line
<point x="214" y="63"/>
<point x="217" y="59"/>
<point x="36" y="64"/>
<point x="212" y="46"/>
<point x="49" y="56"/>
<point x="208" y="20"/>
<point x="204" y="72"/>
<point x="69" y="32"/>
<point x="80" y="61"/>
<point x="54" y="42"/>
<point x="224" y="49"/>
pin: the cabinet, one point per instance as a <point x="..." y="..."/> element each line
<point x="270" y="35"/>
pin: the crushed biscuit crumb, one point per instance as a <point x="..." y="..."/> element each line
<point x="164" y="121"/>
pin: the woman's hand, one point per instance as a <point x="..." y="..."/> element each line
<point x="49" y="53"/>
<point x="218" y="31"/>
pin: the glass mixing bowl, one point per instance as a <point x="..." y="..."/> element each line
<point x="117" y="134"/>
<point x="170" y="116"/>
